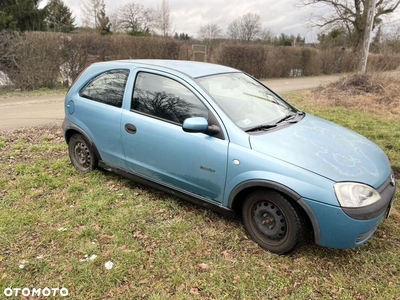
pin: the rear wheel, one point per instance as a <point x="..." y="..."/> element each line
<point x="272" y="221"/>
<point x="81" y="153"/>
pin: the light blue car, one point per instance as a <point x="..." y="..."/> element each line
<point x="215" y="136"/>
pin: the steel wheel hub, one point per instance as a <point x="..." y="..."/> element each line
<point x="269" y="220"/>
<point x="82" y="154"/>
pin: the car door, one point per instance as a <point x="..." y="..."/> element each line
<point x="158" y="149"/>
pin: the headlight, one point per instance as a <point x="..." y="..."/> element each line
<point x="351" y="194"/>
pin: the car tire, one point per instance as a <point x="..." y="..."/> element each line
<point x="81" y="153"/>
<point x="272" y="221"/>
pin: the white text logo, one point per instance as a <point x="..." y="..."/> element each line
<point x="27" y="292"/>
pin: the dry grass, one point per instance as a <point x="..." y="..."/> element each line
<point x="377" y="93"/>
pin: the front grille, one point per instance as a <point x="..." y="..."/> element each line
<point x="387" y="189"/>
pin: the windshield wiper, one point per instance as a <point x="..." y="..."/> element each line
<point x="261" y="127"/>
<point x="265" y="127"/>
<point x="290" y="117"/>
<point x="256" y="96"/>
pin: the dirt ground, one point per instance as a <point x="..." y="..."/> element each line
<point x="22" y="111"/>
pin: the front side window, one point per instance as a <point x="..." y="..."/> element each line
<point x="107" y="88"/>
<point x="165" y="98"/>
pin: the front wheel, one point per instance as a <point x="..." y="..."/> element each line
<point x="272" y="221"/>
<point x="81" y="154"/>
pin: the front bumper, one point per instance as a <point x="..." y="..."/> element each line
<point x="335" y="227"/>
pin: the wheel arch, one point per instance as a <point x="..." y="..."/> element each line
<point x="70" y="129"/>
<point x="240" y="192"/>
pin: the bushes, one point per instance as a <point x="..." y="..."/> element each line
<point x="311" y="62"/>
<point x="337" y="60"/>
<point x="383" y="62"/>
<point x="249" y="58"/>
<point x="123" y="47"/>
<point x="42" y="59"/>
<point x="30" y="59"/>
<point x="264" y="61"/>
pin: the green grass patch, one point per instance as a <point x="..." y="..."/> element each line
<point x="54" y="219"/>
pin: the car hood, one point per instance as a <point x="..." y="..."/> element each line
<point x="327" y="149"/>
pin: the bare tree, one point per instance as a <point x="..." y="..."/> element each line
<point x="90" y="12"/>
<point x="266" y="36"/>
<point x="114" y="19"/>
<point x="234" y="29"/>
<point x="246" y="27"/>
<point x="103" y="22"/>
<point x="251" y="26"/>
<point x="210" y="32"/>
<point x="352" y="15"/>
<point x="163" y="19"/>
<point x="135" y="19"/>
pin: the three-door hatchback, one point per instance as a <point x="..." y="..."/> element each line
<point x="216" y="136"/>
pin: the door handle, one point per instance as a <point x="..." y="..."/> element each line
<point x="130" y="128"/>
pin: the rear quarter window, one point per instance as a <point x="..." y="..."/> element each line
<point x="107" y="87"/>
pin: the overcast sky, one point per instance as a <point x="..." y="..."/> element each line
<point x="278" y="16"/>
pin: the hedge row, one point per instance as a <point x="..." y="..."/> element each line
<point x="42" y="59"/>
<point x="264" y="61"/>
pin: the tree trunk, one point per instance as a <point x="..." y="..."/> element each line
<point x="363" y="39"/>
<point x="358" y="42"/>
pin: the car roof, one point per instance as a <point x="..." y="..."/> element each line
<point x="193" y="69"/>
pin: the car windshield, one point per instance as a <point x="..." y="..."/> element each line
<point x="247" y="102"/>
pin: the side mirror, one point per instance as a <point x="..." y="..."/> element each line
<point x="195" y="124"/>
<point x="200" y="124"/>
